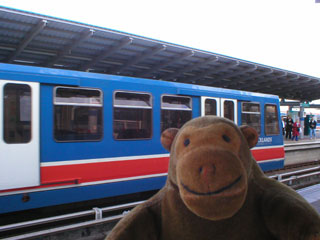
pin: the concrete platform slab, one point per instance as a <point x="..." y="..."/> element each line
<point x="312" y="195"/>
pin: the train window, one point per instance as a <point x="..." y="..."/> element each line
<point x="77" y="114"/>
<point x="228" y="107"/>
<point x="132" y="115"/>
<point x="251" y="115"/>
<point x="210" y="107"/>
<point x="175" y="111"/>
<point x="271" y="120"/>
<point x="17" y="113"/>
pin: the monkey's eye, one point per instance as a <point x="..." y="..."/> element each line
<point x="226" y="138"/>
<point x="186" y="142"/>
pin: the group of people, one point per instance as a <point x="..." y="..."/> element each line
<point x="313" y="126"/>
<point x="292" y="129"/>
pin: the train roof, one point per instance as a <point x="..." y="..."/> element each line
<point x="77" y="78"/>
<point x="37" y="40"/>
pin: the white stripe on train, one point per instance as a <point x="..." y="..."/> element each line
<point x="84" y="184"/>
<point x="107" y="181"/>
<point x="127" y="158"/>
<point x="99" y="160"/>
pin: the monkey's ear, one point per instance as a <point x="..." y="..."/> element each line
<point x="250" y="135"/>
<point x="167" y="137"/>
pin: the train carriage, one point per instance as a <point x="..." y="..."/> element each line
<point x="69" y="136"/>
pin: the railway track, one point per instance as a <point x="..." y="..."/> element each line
<point x="299" y="178"/>
<point x="56" y="227"/>
<point x="307" y="152"/>
<point x="96" y="223"/>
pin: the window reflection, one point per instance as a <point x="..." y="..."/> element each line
<point x="17" y="113"/>
<point x="78" y="114"/>
<point x="210" y="107"/>
<point x="175" y="111"/>
<point x="271" y="120"/>
<point x="228" y="107"/>
<point x="132" y="116"/>
<point x="251" y="115"/>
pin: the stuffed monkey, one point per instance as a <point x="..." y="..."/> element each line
<point x="216" y="191"/>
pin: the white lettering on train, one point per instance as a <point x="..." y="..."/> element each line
<point x="265" y="139"/>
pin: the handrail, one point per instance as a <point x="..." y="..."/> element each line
<point x="281" y="175"/>
<point x="299" y="177"/>
<point x="96" y="211"/>
<point x="301" y="143"/>
<point x="71" y="227"/>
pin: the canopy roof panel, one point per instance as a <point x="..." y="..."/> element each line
<point x="37" y="40"/>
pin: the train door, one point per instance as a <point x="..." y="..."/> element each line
<point x="229" y="109"/>
<point x="210" y="106"/>
<point x="222" y="107"/>
<point x="19" y="131"/>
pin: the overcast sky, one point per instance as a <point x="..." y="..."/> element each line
<point x="278" y="33"/>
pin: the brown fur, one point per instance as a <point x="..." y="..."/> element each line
<point x="216" y="190"/>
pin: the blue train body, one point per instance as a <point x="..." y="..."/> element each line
<point x="72" y="136"/>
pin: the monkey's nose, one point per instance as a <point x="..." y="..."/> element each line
<point x="207" y="172"/>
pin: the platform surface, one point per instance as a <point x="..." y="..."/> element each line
<point x="312" y="195"/>
<point x="304" y="139"/>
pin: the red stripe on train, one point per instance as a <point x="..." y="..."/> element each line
<point x="99" y="171"/>
<point x="268" y="153"/>
<point x="91" y="172"/>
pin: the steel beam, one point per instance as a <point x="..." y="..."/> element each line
<point x="146" y="54"/>
<point x="67" y="49"/>
<point x="190" y="67"/>
<point x="312" y="86"/>
<point x="106" y="52"/>
<point x="212" y="71"/>
<point x="284" y="83"/>
<point x="268" y="72"/>
<point x="235" y="73"/>
<point x="259" y="82"/>
<point x="245" y="80"/>
<point x="34" y="32"/>
<point x="163" y="64"/>
<point x="224" y="81"/>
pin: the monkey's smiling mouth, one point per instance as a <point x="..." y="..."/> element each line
<point x="213" y="192"/>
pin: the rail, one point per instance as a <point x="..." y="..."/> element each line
<point x="301" y="153"/>
<point x="295" y="175"/>
<point x="301" y="145"/>
<point x="95" y="211"/>
<point x="280" y="176"/>
<point x="98" y="212"/>
<point x="57" y="230"/>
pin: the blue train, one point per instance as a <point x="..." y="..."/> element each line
<point x="70" y="136"/>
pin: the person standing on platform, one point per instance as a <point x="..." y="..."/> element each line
<point x="296" y="130"/>
<point x="289" y="125"/>
<point x="312" y="125"/>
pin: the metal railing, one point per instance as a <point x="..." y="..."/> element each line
<point x="98" y="212"/>
<point x="95" y="211"/>
<point x="295" y="175"/>
<point x="301" y="146"/>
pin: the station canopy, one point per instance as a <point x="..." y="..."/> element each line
<point x="32" y="39"/>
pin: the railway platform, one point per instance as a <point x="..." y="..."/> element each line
<point x="305" y="139"/>
<point x="100" y="227"/>
<point x="312" y="195"/>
